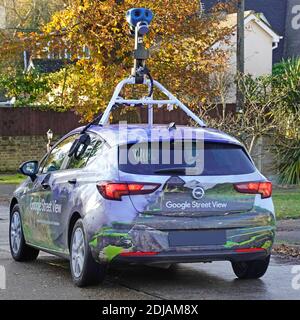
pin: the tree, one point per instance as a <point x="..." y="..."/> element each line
<point x="25" y="88"/>
<point x="286" y="86"/>
<point x="25" y="16"/>
<point x="29" y="15"/>
<point x="271" y="110"/>
<point x="254" y="121"/>
<point x="180" y="44"/>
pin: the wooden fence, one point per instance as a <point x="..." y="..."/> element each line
<point x="31" y="122"/>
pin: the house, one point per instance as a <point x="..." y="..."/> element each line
<point x="52" y="62"/>
<point x="47" y="65"/>
<point x="260" y="42"/>
<point x="292" y="29"/>
<point x="3" y="99"/>
<point x="284" y="17"/>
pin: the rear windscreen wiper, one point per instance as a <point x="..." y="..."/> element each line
<point x="171" y="170"/>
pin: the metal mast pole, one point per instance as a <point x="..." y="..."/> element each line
<point x="240" y="52"/>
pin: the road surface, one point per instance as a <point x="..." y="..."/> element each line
<point x="49" y="278"/>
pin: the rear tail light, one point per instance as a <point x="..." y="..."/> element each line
<point x="115" y="190"/>
<point x="249" y="250"/>
<point x="138" y="254"/>
<point x="262" y="188"/>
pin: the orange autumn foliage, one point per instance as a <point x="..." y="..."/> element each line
<point x="180" y="45"/>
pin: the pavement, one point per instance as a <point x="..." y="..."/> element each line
<point x="288" y="231"/>
<point x="49" y="278"/>
<point x="6" y="190"/>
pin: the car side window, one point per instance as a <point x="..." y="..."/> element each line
<point x="98" y="149"/>
<point x="56" y="157"/>
<point x="83" y="159"/>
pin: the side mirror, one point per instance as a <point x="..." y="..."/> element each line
<point x="30" y="169"/>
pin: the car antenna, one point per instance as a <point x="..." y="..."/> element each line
<point x="84" y="139"/>
<point x="94" y="122"/>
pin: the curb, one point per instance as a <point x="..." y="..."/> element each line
<point x="4" y="200"/>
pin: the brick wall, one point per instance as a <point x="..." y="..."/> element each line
<point x="15" y="150"/>
<point x="23" y="136"/>
<point x="23" y="133"/>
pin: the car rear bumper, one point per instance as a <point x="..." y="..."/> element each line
<point x="143" y="244"/>
<point x="190" y="257"/>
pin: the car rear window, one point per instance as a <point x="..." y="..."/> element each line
<point x="218" y="159"/>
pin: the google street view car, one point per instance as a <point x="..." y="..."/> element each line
<point x="149" y="194"/>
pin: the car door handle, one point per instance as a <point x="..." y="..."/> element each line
<point x="72" y="181"/>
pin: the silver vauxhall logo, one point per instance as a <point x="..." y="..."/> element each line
<point x="198" y="193"/>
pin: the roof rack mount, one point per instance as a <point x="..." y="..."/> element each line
<point x="149" y="101"/>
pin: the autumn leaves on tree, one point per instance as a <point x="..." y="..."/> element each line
<point x="95" y="36"/>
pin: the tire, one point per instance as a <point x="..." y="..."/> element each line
<point x="84" y="269"/>
<point x="173" y="267"/>
<point x="19" y="250"/>
<point x="251" y="269"/>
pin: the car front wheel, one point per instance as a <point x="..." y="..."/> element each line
<point x="251" y="269"/>
<point x="20" y="251"/>
<point x="85" y="270"/>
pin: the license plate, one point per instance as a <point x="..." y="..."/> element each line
<point x="197" y="238"/>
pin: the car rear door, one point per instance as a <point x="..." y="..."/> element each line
<point x="212" y="192"/>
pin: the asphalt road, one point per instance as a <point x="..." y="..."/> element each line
<point x="49" y="278"/>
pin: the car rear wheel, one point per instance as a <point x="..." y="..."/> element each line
<point x="20" y="251"/>
<point x="85" y="270"/>
<point x="251" y="269"/>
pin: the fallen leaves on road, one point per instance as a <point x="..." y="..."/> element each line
<point x="292" y="251"/>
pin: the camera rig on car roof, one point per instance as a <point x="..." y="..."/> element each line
<point x="139" y="20"/>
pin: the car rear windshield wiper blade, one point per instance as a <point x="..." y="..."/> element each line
<point x="170" y="170"/>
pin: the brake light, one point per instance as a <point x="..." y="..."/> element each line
<point x="249" y="250"/>
<point x="116" y="190"/>
<point x="262" y="188"/>
<point x="138" y="254"/>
